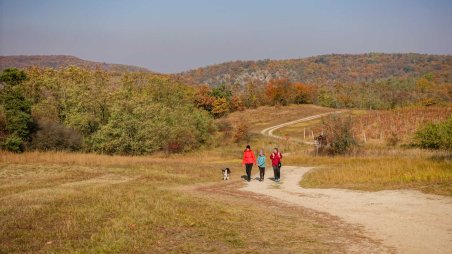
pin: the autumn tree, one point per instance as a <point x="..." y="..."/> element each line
<point x="303" y="93"/>
<point x="250" y="95"/>
<point x="203" y="98"/>
<point x="279" y="91"/>
<point x="220" y="107"/>
<point x="236" y="104"/>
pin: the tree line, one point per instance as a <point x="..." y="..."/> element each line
<point x="380" y="94"/>
<point x="79" y="109"/>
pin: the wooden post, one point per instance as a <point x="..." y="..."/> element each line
<point x="364" y="137"/>
<point x="312" y="134"/>
<point x="304" y="133"/>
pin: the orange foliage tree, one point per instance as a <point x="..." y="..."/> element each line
<point x="204" y="99"/>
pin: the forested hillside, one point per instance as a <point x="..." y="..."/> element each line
<point x="119" y="111"/>
<point x="58" y="61"/>
<point x="325" y="69"/>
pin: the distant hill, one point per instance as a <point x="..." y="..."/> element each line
<point x="57" y="61"/>
<point x="325" y="69"/>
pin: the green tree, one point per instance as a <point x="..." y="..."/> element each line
<point x="13" y="76"/>
<point x="222" y="91"/>
<point x="142" y="122"/>
<point x="18" y="120"/>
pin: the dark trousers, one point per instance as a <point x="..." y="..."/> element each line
<point x="277" y="172"/>
<point x="248" y="167"/>
<point x="262" y="172"/>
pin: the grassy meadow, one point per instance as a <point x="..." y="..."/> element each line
<point x="83" y="203"/>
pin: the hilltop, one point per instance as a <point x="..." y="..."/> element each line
<point x="58" y="61"/>
<point x="325" y="69"/>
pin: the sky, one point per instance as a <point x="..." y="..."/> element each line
<point x="175" y="35"/>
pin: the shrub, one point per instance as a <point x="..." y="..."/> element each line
<point x="55" y="136"/>
<point x="435" y="136"/>
<point x="242" y="133"/>
<point x="338" y="130"/>
<point x="13" y="143"/>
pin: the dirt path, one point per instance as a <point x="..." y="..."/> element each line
<point x="269" y="131"/>
<point x="409" y="221"/>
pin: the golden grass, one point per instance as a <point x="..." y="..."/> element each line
<point x="379" y="172"/>
<point x="64" y="203"/>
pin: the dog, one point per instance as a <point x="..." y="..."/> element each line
<point x="226" y="173"/>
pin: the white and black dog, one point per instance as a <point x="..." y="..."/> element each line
<point x="226" y="173"/>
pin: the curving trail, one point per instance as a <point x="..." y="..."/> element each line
<point x="269" y="131"/>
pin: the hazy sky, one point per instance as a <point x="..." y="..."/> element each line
<point x="176" y="35"/>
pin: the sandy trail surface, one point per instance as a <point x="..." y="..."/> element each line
<point x="409" y="221"/>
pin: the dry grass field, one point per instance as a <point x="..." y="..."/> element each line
<point x="429" y="172"/>
<point x="57" y="202"/>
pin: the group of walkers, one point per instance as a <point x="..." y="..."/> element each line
<point x="249" y="159"/>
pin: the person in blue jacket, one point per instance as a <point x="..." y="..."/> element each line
<point x="261" y="164"/>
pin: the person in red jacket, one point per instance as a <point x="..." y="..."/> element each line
<point x="248" y="160"/>
<point x="276" y="157"/>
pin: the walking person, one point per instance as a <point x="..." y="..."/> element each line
<point x="248" y="160"/>
<point x="261" y="164"/>
<point x="276" y="157"/>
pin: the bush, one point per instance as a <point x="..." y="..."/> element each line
<point x="242" y="133"/>
<point x="13" y="143"/>
<point x="338" y="130"/>
<point x="55" y="136"/>
<point x="435" y="136"/>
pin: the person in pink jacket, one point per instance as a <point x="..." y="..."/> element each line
<point x="276" y="157"/>
<point x="248" y="160"/>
